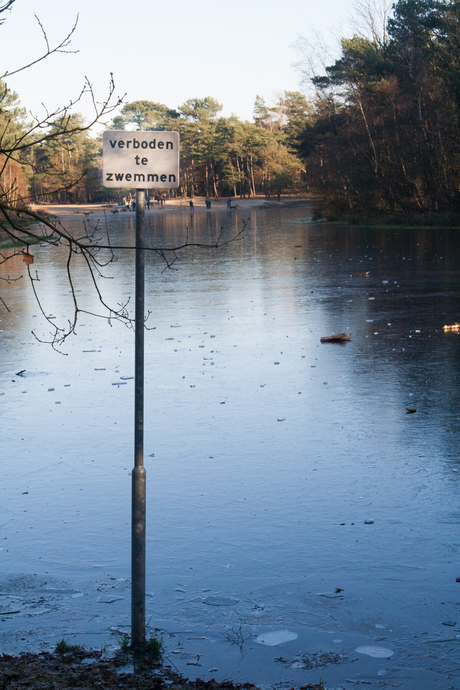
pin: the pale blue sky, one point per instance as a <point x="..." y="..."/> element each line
<point x="169" y="51"/>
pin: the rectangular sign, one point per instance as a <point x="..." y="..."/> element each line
<point x="143" y="160"/>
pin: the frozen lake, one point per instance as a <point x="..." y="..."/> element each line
<point x="279" y="469"/>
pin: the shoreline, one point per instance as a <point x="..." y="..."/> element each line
<point x="170" y="206"/>
<point x="181" y="206"/>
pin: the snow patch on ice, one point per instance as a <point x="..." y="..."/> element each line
<point x="272" y="639"/>
<point x="376" y="652"/>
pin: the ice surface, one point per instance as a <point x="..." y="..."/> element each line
<point x="108" y="599"/>
<point x="220" y="601"/>
<point x="245" y="508"/>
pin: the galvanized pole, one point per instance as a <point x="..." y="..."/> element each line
<point x="138" y="475"/>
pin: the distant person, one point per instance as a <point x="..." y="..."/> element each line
<point x="208" y="203"/>
<point x="229" y="203"/>
<point x="191" y="204"/>
<point x="133" y="206"/>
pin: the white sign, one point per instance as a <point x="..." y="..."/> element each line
<point x="143" y="160"/>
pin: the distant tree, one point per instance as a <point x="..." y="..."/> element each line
<point x="261" y="113"/>
<point x="200" y="109"/>
<point x="282" y="170"/>
<point x="61" y="164"/>
<point x="13" y="169"/>
<point x="294" y="111"/>
<point x="145" y="115"/>
<point x="197" y="127"/>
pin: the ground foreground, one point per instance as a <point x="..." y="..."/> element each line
<point x="88" y="670"/>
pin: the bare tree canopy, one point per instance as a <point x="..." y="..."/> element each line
<point x="370" y="19"/>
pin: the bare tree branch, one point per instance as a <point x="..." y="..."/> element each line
<point x="370" y="19"/>
<point x="24" y="227"/>
<point x="61" y="117"/>
<point x="60" y="48"/>
<point x="4" y="6"/>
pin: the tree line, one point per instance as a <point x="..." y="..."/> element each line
<point x="220" y="156"/>
<point x="380" y="133"/>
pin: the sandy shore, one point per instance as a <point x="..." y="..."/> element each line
<point x="170" y="206"/>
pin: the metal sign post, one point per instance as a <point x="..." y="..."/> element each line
<point x="139" y="474"/>
<point x="139" y="160"/>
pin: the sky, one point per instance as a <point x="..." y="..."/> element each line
<point x="165" y="52"/>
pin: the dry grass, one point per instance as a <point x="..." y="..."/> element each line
<point x="82" y="670"/>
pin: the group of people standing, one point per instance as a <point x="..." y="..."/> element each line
<point x="131" y="205"/>
<point x="208" y="204"/>
<point x="161" y="198"/>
